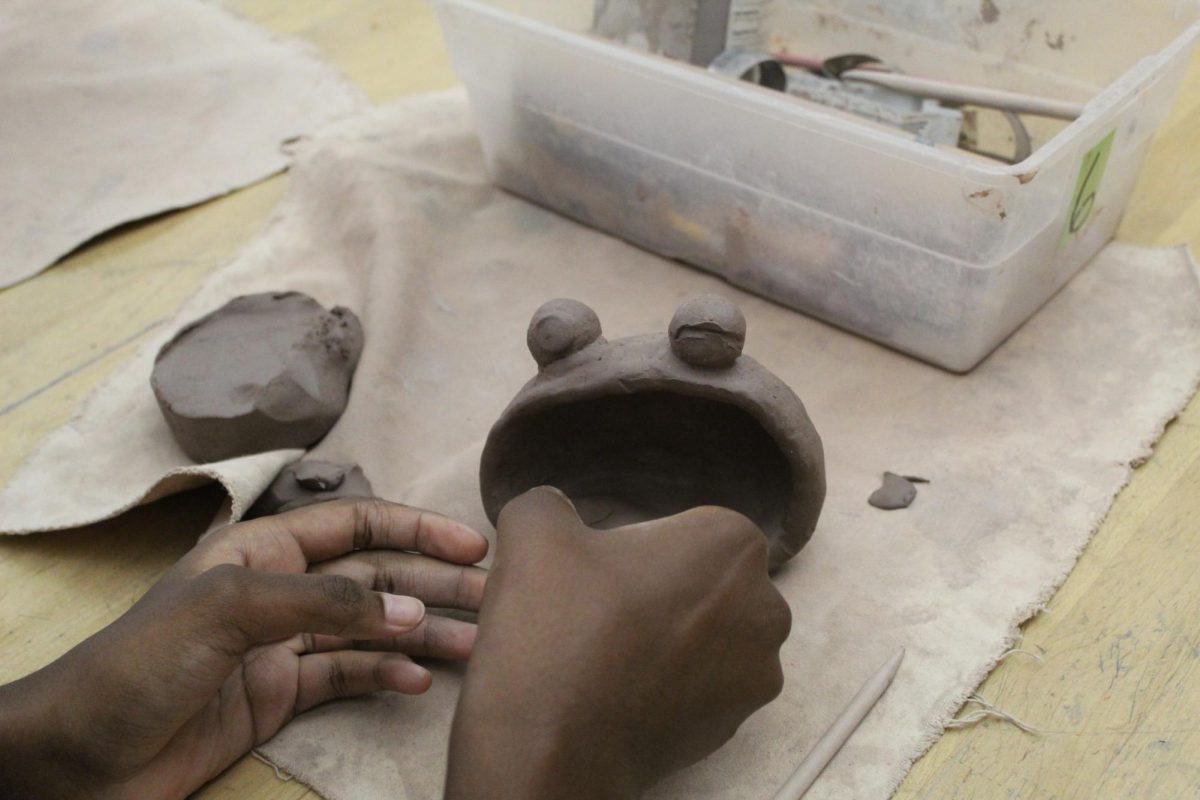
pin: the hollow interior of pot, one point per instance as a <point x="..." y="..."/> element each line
<point x="629" y="458"/>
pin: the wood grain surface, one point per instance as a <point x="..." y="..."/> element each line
<point x="1116" y="700"/>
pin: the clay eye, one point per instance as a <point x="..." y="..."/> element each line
<point x="559" y="328"/>
<point x="708" y="331"/>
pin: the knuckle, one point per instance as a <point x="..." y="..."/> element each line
<point x="342" y="592"/>
<point x="464" y="591"/>
<point x="737" y="530"/>
<point x="370" y="516"/>
<point x="757" y="547"/>
<point x="772" y="685"/>
<point x="737" y="536"/>
<point x="378" y="675"/>
<point x="421" y="537"/>
<point x="335" y="675"/>
<point x="390" y="574"/>
<point x="779" y="618"/>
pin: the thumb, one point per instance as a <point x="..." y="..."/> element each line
<point x="530" y="520"/>
<point x="261" y="607"/>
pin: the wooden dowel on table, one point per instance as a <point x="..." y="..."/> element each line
<point x="843" y="727"/>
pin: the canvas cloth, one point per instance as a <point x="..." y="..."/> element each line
<point x="114" y="110"/>
<point x="392" y="214"/>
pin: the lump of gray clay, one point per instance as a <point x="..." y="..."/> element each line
<point x="308" y="482"/>
<point x="263" y="372"/>
<point x="649" y="426"/>
<point x="897" y="492"/>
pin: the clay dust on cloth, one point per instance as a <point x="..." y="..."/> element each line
<point x="114" y="110"/>
<point x="392" y="215"/>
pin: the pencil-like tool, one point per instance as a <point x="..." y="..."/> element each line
<point x="843" y="727"/>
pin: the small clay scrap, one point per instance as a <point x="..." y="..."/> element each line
<point x="898" y="491"/>
<point x="308" y="482"/>
<point x="263" y="372"/>
<point x="650" y="426"/>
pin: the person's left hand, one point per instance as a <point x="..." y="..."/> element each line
<point x="263" y="620"/>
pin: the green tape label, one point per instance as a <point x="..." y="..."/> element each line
<point x="1091" y="173"/>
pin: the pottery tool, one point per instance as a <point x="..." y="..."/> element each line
<point x="969" y="95"/>
<point x="870" y="70"/>
<point x="842" y="728"/>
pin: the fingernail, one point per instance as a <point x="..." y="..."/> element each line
<point x="402" y="612"/>
<point x="473" y="532"/>
<point x="405" y="676"/>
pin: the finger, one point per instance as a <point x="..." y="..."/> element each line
<point x="261" y="607"/>
<point x="332" y="529"/>
<point x="431" y="580"/>
<point x="532" y="517"/>
<point x="331" y="676"/>
<point x="435" y="637"/>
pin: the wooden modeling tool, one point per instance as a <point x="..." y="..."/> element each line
<point x="971" y="95"/>
<point x="843" y="727"/>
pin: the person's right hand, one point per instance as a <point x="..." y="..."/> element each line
<point x="607" y="659"/>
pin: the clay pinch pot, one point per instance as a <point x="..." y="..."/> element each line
<point x="649" y="426"/>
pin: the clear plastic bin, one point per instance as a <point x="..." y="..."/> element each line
<point x="931" y="251"/>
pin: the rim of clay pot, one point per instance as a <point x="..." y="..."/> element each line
<point x="595" y="372"/>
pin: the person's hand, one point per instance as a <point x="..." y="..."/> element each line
<point x="608" y="659"/>
<point x="261" y="621"/>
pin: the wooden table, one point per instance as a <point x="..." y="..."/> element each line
<point x="1117" y="698"/>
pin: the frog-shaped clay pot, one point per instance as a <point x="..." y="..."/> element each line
<point x="652" y="425"/>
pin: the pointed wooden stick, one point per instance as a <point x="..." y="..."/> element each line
<point x="843" y="727"/>
<point x="972" y="95"/>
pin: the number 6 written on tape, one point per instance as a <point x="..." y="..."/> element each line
<point x="1091" y="173"/>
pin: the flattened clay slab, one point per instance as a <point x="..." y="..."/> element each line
<point x="897" y="492"/>
<point x="649" y="426"/>
<point x="263" y="372"/>
<point x="308" y="482"/>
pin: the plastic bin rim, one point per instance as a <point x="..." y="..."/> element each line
<point x="1097" y="112"/>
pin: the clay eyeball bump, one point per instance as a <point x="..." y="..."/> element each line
<point x="263" y="372"/>
<point x="649" y="426"/>
<point x="708" y="331"/>
<point x="306" y="483"/>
